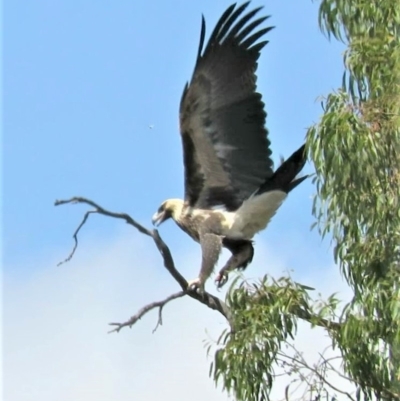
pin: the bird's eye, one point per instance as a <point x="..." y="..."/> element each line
<point x="161" y="209"/>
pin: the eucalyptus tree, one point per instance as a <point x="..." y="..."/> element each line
<point x="355" y="148"/>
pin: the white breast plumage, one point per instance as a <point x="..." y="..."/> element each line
<point x="254" y="214"/>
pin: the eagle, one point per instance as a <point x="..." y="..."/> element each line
<point x="231" y="188"/>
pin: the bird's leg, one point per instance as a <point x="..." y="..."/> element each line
<point x="242" y="255"/>
<point x="211" y="246"/>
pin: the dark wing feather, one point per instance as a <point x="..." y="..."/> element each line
<point x="222" y="117"/>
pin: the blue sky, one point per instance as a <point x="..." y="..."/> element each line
<point x="83" y="81"/>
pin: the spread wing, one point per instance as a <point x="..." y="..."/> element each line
<point x="222" y="117"/>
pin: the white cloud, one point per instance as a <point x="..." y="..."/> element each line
<point x="56" y="345"/>
<point x="56" y="341"/>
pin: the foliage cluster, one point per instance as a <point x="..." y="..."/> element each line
<point x="355" y="148"/>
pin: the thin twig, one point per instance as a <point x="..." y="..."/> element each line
<point x="75" y="237"/>
<point x="207" y="299"/>
<point x="101" y="210"/>
<point x="144" y="310"/>
<point x="302" y="362"/>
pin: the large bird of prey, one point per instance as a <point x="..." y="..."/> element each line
<point x="231" y="189"/>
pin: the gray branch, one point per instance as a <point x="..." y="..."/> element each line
<point x="145" y="309"/>
<point x="207" y="299"/>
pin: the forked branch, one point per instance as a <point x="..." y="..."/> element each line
<point x="147" y="308"/>
<point x="207" y="299"/>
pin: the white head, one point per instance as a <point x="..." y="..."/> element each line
<point x="169" y="208"/>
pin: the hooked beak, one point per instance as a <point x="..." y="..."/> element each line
<point x="158" y="218"/>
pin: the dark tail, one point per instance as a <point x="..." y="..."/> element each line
<point x="284" y="178"/>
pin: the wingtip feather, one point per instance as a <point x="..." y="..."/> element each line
<point x="202" y="36"/>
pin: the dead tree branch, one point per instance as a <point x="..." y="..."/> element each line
<point x="207" y="299"/>
<point x="145" y="309"/>
<point x="298" y="363"/>
<point x="320" y="375"/>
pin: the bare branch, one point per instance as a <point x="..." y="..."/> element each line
<point x="101" y="210"/>
<point x="299" y="360"/>
<point x="321" y="369"/>
<point x="168" y="260"/>
<point x="207" y="299"/>
<point x="145" y="309"/>
<point x="75" y="237"/>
